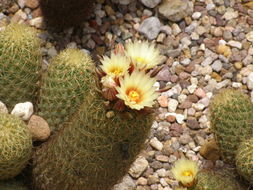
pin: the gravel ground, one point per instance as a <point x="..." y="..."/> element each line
<point x="206" y="45"/>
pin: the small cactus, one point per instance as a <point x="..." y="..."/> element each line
<point x="64" y="85"/>
<point x="231" y="118"/>
<point x="20" y="64"/>
<point x="15" y="146"/>
<point x="244" y="160"/>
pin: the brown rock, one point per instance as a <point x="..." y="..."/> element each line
<point x="192" y="123"/>
<point x="37" y="13"/>
<point x="39" y="128"/>
<point x="210" y="150"/>
<point x="32" y="3"/>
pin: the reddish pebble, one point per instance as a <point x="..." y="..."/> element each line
<point x="171" y="118"/>
<point x="200" y="93"/>
<point x="163" y="101"/>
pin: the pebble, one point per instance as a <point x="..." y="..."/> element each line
<point x="23" y="110"/>
<point x="39" y="128"/>
<point x="150" y="3"/>
<point x="179" y="117"/>
<point x="163" y="101"/>
<point x="126" y="184"/>
<point x="175" y="10"/>
<point x="235" y="44"/>
<point x="3" y="108"/>
<point x="172" y="105"/>
<point x="196" y="15"/>
<point x="150" y="27"/>
<point x="155" y="143"/>
<point x="217" y="65"/>
<point x="249" y="36"/>
<point x="138" y="167"/>
<point x="250" y="81"/>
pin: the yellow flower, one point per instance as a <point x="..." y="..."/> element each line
<point x="185" y="171"/>
<point x="136" y="90"/>
<point x="116" y="66"/>
<point x="143" y="55"/>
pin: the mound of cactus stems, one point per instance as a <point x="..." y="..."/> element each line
<point x="64" y="86"/>
<point x="15" y="146"/>
<point x="95" y="149"/>
<point x="244" y="160"/>
<point x="215" y="180"/>
<point x="231" y="116"/>
<point x="13" y="184"/>
<point x="65" y="13"/>
<point x="20" y="64"/>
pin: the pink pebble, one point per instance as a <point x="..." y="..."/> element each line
<point x="163" y="101"/>
<point x="200" y="93"/>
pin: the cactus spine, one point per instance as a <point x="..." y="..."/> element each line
<point x="231" y="118"/>
<point x="65" y="13"/>
<point x="92" y="152"/>
<point x="216" y="180"/>
<point x="64" y="85"/>
<point x="244" y="160"/>
<point x="20" y="64"/>
<point x="15" y="146"/>
<point x="12" y="184"/>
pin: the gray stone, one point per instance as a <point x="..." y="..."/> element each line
<point x="176" y="10"/>
<point x="150" y="27"/>
<point x="217" y="66"/>
<point x="150" y="3"/>
<point x="126" y="184"/>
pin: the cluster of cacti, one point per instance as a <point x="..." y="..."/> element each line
<point x="244" y="160"/>
<point x="97" y="146"/>
<point x="13" y="184"/>
<point x="231" y="115"/>
<point x="20" y="64"/>
<point x="215" y="180"/>
<point x="65" y="13"/>
<point x="15" y="146"/>
<point x="64" y="86"/>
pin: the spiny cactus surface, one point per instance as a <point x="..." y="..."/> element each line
<point x="20" y="64"/>
<point x="92" y="152"/>
<point x="65" y="13"/>
<point x="15" y="146"/>
<point x="216" y="180"/>
<point x="64" y="85"/>
<point x="12" y="184"/>
<point x="244" y="160"/>
<point x="231" y="118"/>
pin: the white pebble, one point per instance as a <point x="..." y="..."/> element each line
<point x="155" y="143"/>
<point x="192" y="88"/>
<point x="172" y="105"/>
<point x="179" y="117"/>
<point x="235" y="44"/>
<point x="23" y="110"/>
<point x="250" y="81"/>
<point x="196" y="15"/>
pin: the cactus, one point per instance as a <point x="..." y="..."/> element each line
<point x="12" y="184"/>
<point x="92" y="152"/>
<point x="15" y="146"/>
<point x="231" y="118"/>
<point x="244" y="160"/>
<point x="65" y="13"/>
<point x="20" y="64"/>
<point x="64" y="85"/>
<point x="216" y="180"/>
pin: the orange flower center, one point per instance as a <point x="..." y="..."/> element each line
<point x="141" y="60"/>
<point x="134" y="96"/>
<point x="187" y="173"/>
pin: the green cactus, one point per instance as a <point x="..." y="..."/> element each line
<point x="216" y="180"/>
<point x="244" y="160"/>
<point x="20" y="64"/>
<point x="65" y="13"/>
<point x="15" y="146"/>
<point x="231" y="118"/>
<point x="92" y="152"/>
<point x="64" y="85"/>
<point x="12" y="184"/>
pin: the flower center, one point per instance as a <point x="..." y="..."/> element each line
<point x="116" y="71"/>
<point x="187" y="173"/>
<point x="134" y="95"/>
<point x="141" y="60"/>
